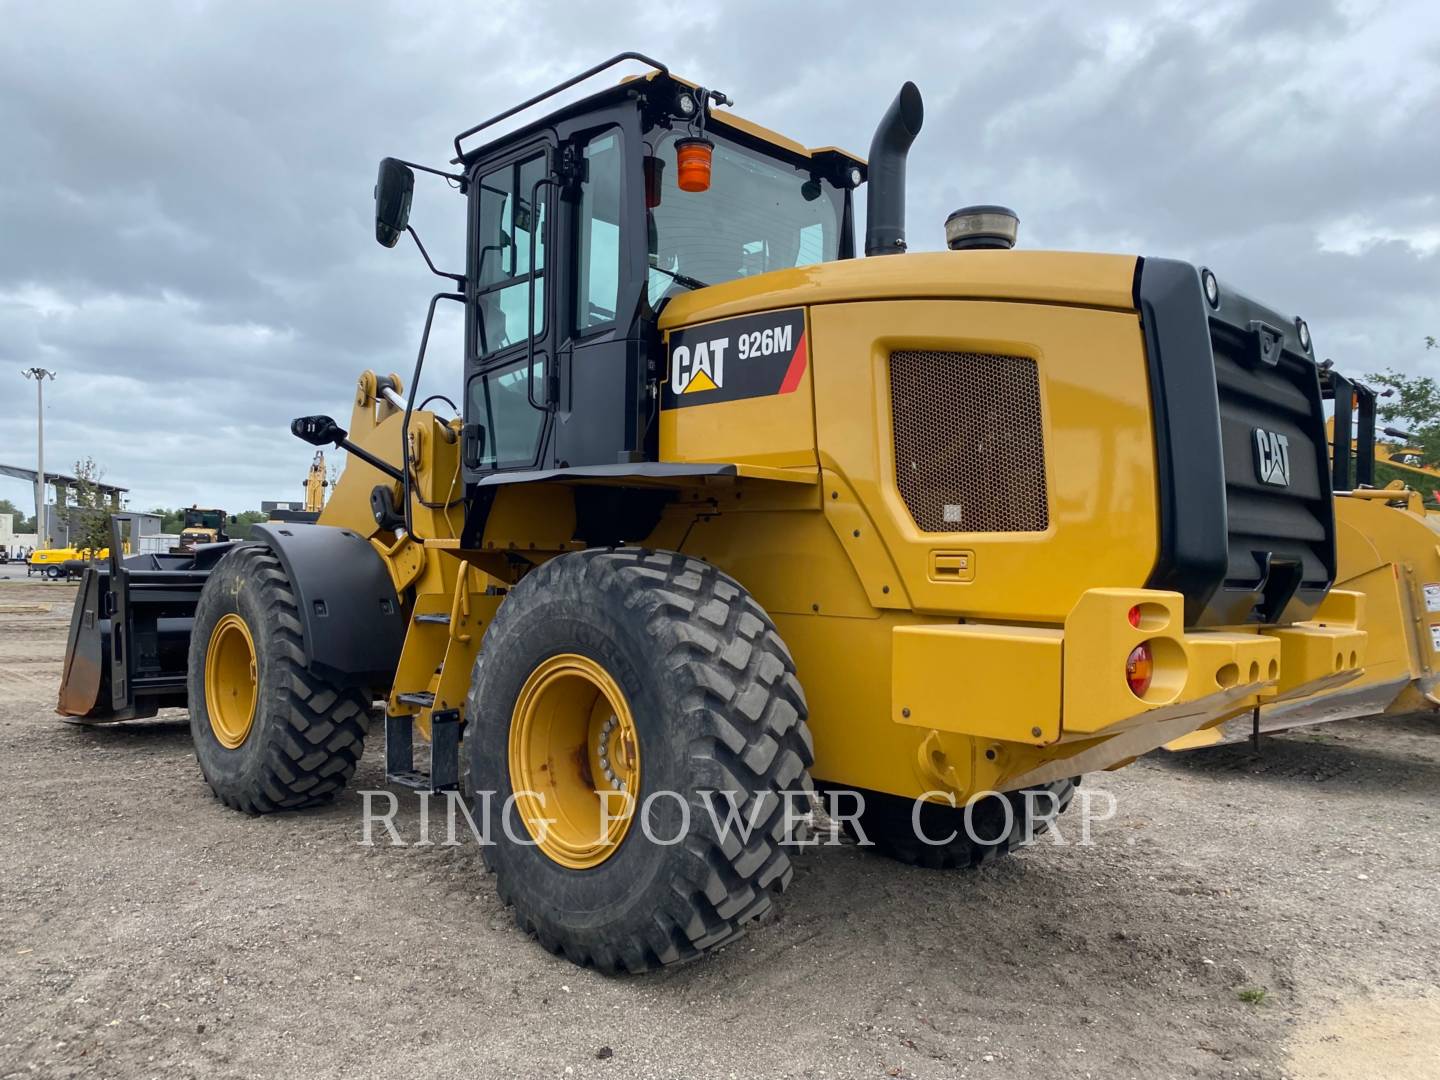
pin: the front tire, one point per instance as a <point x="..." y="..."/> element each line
<point x="269" y="734"/>
<point x="597" y="644"/>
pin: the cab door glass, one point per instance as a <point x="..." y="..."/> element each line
<point x="500" y="404"/>
<point x="597" y="290"/>
<point x="507" y="220"/>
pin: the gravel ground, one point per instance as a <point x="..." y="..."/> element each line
<point x="1240" y="915"/>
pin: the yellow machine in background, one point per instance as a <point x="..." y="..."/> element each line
<point x="50" y="562"/>
<point x="201" y="525"/>
<point x="730" y="511"/>
<point x="316" y="481"/>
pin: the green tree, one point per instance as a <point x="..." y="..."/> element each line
<point x="171" y="521"/>
<point x="90" y="517"/>
<point x="240" y="530"/>
<point x="1413" y="404"/>
<point x="21" y="524"/>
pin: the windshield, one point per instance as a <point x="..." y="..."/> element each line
<point x="203" y="519"/>
<point x="759" y="214"/>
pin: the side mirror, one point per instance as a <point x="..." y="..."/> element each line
<point x="234" y="520"/>
<point x="317" y="430"/>
<point x="392" y="200"/>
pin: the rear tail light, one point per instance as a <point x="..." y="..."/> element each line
<point x="1140" y="669"/>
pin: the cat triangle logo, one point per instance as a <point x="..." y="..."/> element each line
<point x="698" y="367"/>
<point x="700" y="381"/>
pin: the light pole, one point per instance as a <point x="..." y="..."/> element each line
<point x="40" y="374"/>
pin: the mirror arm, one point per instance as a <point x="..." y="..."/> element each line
<point x="436" y="172"/>
<point x="459" y="279"/>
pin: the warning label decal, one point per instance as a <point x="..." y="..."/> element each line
<point x="750" y="356"/>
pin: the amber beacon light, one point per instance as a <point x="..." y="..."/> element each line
<point x="692" y="163"/>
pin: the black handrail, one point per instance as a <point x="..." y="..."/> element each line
<point x="617" y="59"/>
<point x="535" y="226"/>
<point x="410" y="403"/>
<point x="1342" y="476"/>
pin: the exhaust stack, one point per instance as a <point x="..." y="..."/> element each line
<point x="885" y="200"/>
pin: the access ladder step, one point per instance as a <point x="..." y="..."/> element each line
<point x="423" y="698"/>
<point x="444" y="774"/>
<point x="433" y="617"/>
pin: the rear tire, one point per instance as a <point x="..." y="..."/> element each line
<point x="888" y="823"/>
<point x="710" y="692"/>
<point x="305" y="735"/>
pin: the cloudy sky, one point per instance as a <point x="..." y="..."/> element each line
<point x="185" y="188"/>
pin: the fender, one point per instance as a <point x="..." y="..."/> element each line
<point x="351" y="621"/>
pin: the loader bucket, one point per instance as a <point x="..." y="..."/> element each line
<point x="128" y="649"/>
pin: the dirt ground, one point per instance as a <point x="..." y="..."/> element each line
<point x="1240" y="915"/>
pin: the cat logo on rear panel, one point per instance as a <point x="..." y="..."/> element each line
<point x="751" y="356"/>
<point x="1272" y="458"/>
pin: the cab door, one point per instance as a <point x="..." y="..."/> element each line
<point x="510" y="324"/>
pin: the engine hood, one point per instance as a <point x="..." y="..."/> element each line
<point x="1054" y="277"/>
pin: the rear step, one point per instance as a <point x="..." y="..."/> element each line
<point x="444" y="774"/>
<point x="434" y="617"/>
<point x="420" y="698"/>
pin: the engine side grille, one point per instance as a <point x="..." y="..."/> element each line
<point x="969" y="444"/>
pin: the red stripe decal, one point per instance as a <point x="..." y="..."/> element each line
<point x="796" y="368"/>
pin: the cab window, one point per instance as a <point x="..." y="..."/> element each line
<point x="597" y="279"/>
<point x="507" y="220"/>
<point x="500" y="404"/>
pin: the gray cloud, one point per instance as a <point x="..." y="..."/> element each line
<point x="185" y="189"/>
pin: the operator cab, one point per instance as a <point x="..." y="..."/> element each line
<point x="581" y="226"/>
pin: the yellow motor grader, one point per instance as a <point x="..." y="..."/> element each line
<point x="729" y="513"/>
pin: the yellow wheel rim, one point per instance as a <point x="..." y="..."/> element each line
<point x="574" y="761"/>
<point x="230" y="678"/>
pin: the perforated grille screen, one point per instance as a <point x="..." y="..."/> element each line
<point x="969" y="446"/>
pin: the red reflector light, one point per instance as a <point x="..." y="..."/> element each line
<point x="1135" y="615"/>
<point x="1140" y="669"/>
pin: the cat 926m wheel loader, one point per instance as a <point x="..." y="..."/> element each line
<point x="727" y="511"/>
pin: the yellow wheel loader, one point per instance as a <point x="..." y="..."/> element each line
<point x="1388" y="550"/>
<point x="202" y="525"/>
<point x="729" y="514"/>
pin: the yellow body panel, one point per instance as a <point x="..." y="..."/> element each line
<point x="925" y="694"/>
<point x="777" y="431"/>
<point x="1046" y="277"/>
<point x="1096" y="423"/>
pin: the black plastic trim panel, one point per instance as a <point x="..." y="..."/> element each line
<point x="1222" y="376"/>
